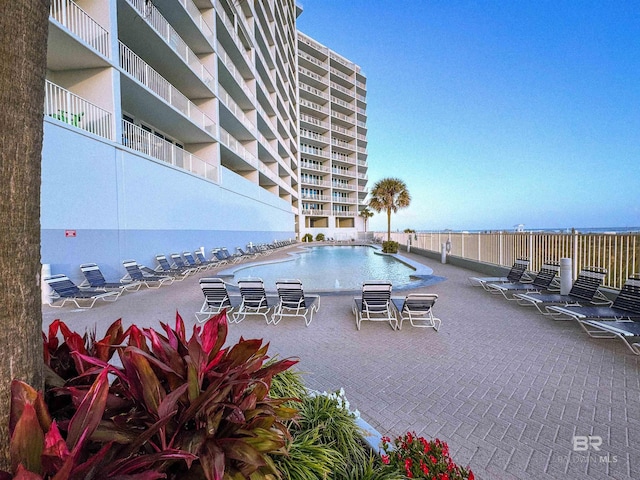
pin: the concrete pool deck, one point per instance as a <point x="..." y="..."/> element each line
<point x="507" y="388"/>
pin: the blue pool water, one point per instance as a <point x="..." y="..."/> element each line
<point x="333" y="268"/>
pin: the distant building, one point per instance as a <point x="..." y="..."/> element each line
<point x="333" y="141"/>
<point x="170" y="126"/>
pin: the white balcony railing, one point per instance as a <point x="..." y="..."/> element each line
<point x="198" y="19"/>
<point x="145" y="142"/>
<point x="236" y="110"/>
<point x="155" y="19"/>
<point x="316" y="212"/>
<point x="314" y="166"/>
<point x="76" y="20"/>
<point x="73" y="110"/>
<point x="141" y="71"/>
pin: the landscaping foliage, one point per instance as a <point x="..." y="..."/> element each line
<point x="417" y="457"/>
<point x="390" y="247"/>
<point x="178" y="407"/>
<point x="320" y="237"/>
<point x="307" y="237"/>
<point x="181" y="407"/>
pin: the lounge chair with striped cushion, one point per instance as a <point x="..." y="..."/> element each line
<point x="543" y="281"/>
<point x="375" y="304"/>
<point x="418" y="309"/>
<point x="216" y="299"/>
<point x="63" y="290"/>
<point x="292" y="302"/>
<point x="135" y="274"/>
<point x="254" y="300"/>
<point x="518" y="273"/>
<point x="585" y="291"/>
<point x="95" y="279"/>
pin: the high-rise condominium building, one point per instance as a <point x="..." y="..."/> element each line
<point x="333" y="141"/>
<point x="170" y="126"/>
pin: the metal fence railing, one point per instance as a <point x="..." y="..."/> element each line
<point x="618" y="253"/>
<point x="73" y="110"/>
<point x="76" y="20"/>
<point x="146" y="142"/>
<point x="141" y="71"/>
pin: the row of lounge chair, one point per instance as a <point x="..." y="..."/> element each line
<point x="598" y="316"/>
<point x="290" y="302"/>
<point x="377" y="304"/>
<point x="174" y="268"/>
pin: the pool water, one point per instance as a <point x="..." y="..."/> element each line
<point x="331" y="268"/>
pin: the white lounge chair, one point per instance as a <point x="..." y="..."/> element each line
<point x="375" y="304"/>
<point x="254" y="300"/>
<point x="216" y="299"/>
<point x="63" y="290"/>
<point x="292" y="302"/>
<point x="518" y="273"/>
<point x="418" y="309"/>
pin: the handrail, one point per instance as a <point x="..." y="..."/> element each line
<point x="73" y="110"/>
<point x="80" y="23"/>
<point x="154" y="18"/>
<point x="145" y="142"/>
<point x="141" y="71"/>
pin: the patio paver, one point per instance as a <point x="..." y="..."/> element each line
<point x="507" y="388"/>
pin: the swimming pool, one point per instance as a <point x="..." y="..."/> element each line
<point x="331" y="268"/>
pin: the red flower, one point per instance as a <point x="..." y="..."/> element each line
<point x="443" y="476"/>
<point x="433" y="459"/>
<point x="471" y="477"/>
<point x="386" y="439"/>
<point x="385" y="459"/>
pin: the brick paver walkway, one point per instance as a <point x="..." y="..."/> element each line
<point x="507" y="388"/>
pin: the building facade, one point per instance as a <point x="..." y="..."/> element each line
<point x="333" y="141"/>
<point x="171" y="126"/>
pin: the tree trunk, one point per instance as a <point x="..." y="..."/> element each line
<point x="388" y="224"/>
<point x="23" y="59"/>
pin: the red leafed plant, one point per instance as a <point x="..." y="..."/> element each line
<point x="417" y="457"/>
<point x="177" y="407"/>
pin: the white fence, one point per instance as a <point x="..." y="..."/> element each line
<point x="73" y="110"/>
<point x="618" y="253"/>
<point x="146" y="142"/>
<point x="77" y="21"/>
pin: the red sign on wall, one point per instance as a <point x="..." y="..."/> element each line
<point x="69" y="233"/>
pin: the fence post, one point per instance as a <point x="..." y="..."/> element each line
<point x="575" y="253"/>
<point x="566" y="278"/>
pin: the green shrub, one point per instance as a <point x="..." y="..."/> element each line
<point x="329" y="413"/>
<point x="307" y="237"/>
<point x="390" y="247"/>
<point x="320" y="237"/>
<point x="308" y="457"/>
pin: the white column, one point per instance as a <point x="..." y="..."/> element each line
<point x="566" y="276"/>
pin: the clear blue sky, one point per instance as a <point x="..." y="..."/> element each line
<point x="497" y="113"/>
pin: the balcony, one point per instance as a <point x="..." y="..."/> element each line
<point x="314" y="167"/>
<point x="145" y="142"/>
<point x="147" y="76"/>
<point x="77" y="21"/>
<point x="318" y="198"/>
<point x="150" y="14"/>
<point x="316" y="212"/>
<point x="75" y="111"/>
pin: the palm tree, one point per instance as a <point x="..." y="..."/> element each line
<point x="366" y="214"/>
<point x="389" y="194"/>
<point x="23" y="56"/>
